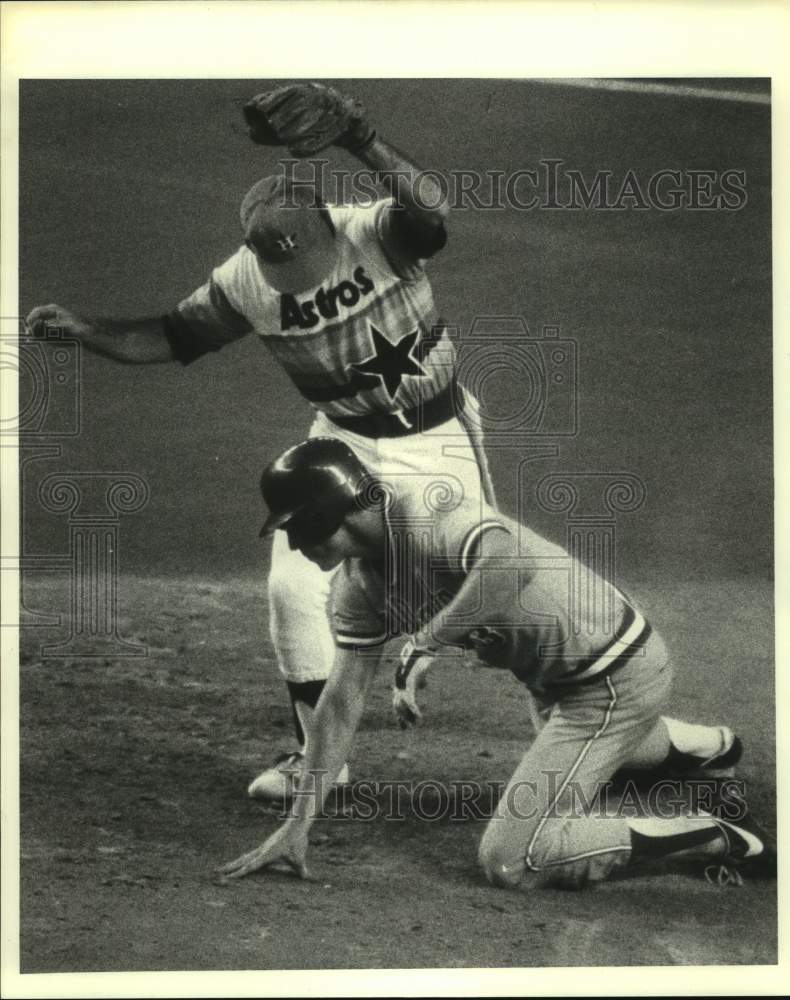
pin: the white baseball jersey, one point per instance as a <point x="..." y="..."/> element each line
<point x="536" y="611"/>
<point x="368" y="339"/>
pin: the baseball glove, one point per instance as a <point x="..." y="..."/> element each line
<point x="307" y="117"/>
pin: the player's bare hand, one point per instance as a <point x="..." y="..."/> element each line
<point x="406" y="709"/>
<point x="286" y="846"/>
<point x="55" y="317"/>
<point x="409" y="678"/>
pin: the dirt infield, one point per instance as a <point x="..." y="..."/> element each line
<point x="133" y="789"/>
<point x="134" y="769"/>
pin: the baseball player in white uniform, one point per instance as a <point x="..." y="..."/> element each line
<point x="340" y="296"/>
<point x="491" y="584"/>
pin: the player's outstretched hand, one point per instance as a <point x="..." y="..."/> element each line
<point x="55" y="317"/>
<point x="414" y="662"/>
<point x="287" y="846"/>
<point x="405" y="707"/>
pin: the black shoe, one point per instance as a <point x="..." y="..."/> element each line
<point x="750" y="850"/>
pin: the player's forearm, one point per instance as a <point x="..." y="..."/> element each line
<point x="130" y="341"/>
<point x="335" y="723"/>
<point x="330" y="740"/>
<point x="418" y="192"/>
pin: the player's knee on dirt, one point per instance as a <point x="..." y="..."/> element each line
<point x="510" y="859"/>
<point x="500" y="870"/>
<point x="501" y="859"/>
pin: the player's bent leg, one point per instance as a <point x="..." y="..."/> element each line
<point x="727" y="848"/>
<point x="569" y="850"/>
<point x="552" y="824"/>
<point x="554" y="856"/>
<point x="548" y="828"/>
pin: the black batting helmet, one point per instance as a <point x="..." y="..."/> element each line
<point x="310" y="488"/>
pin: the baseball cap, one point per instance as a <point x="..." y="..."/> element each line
<point x="288" y="227"/>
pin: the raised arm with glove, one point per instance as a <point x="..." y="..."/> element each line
<point x="307" y="118"/>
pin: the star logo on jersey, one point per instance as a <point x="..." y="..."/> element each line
<point x="391" y="361"/>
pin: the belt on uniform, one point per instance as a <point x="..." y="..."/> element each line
<point x="632" y="635"/>
<point x="423" y="417"/>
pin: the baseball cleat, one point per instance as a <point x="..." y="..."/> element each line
<point x="276" y="783"/>
<point x="750" y="850"/>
